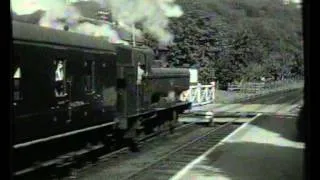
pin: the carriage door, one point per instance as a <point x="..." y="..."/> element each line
<point x="141" y="73"/>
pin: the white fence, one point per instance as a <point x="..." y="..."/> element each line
<point x="200" y="94"/>
<point x="205" y="94"/>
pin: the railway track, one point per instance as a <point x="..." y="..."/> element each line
<point x="167" y="165"/>
<point x="125" y="165"/>
<point x="183" y="128"/>
<point x="149" y="152"/>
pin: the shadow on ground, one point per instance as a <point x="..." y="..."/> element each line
<point x="279" y="124"/>
<point x="275" y="153"/>
<point x="251" y="161"/>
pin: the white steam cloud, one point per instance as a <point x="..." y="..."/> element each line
<point x="23" y="7"/>
<point x="152" y="14"/>
<point x="60" y="15"/>
<point x="99" y="31"/>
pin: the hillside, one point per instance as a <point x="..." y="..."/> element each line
<point x="230" y="40"/>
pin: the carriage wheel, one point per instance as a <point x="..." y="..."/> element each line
<point x="132" y="137"/>
<point x="173" y="122"/>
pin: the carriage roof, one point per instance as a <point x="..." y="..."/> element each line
<point x="34" y="33"/>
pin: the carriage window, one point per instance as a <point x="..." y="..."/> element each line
<point x="60" y="80"/>
<point x="140" y="73"/>
<point x="17" y="74"/>
<point x="60" y="71"/>
<point x="89" y="76"/>
<point x="16" y="83"/>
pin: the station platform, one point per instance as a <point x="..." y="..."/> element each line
<point x="281" y="108"/>
<point x="264" y="148"/>
<point x="241" y="113"/>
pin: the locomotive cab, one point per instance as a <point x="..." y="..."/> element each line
<point x="133" y="64"/>
<point x="145" y="86"/>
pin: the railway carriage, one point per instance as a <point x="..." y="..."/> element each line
<point x="71" y="90"/>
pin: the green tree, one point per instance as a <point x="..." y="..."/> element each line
<point x="233" y="40"/>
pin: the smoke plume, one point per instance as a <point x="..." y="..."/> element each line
<point x="152" y="14"/>
<point x="99" y="31"/>
<point x="23" y="7"/>
<point x="59" y="16"/>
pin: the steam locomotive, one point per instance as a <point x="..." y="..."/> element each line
<point x="71" y="89"/>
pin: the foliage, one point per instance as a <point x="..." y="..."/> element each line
<point x="231" y="40"/>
